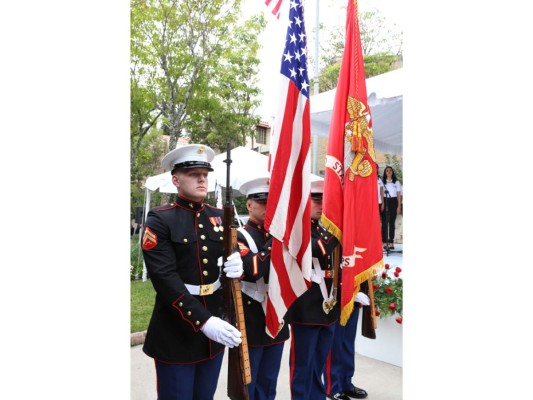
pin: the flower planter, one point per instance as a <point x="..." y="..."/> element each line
<point x="387" y="346"/>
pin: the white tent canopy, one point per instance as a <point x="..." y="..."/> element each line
<point x="385" y="98"/>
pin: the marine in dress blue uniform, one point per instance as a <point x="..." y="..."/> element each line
<point x="255" y="245"/>
<point x="341" y="363"/>
<point x="312" y="329"/>
<point x="182" y="243"/>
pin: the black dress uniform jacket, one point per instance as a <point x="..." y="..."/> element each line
<point x="182" y="242"/>
<point x="257" y="265"/>
<point x="307" y="309"/>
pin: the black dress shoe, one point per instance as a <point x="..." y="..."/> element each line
<point x="338" y="396"/>
<point x="356" y="393"/>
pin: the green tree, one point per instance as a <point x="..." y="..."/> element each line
<point x="151" y="151"/>
<point x="176" y="41"/>
<point x="376" y="35"/>
<point x="192" y="73"/>
<point x="227" y="93"/>
<point x="144" y="113"/>
<point x="381" y="46"/>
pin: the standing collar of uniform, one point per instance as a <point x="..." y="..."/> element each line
<point x="259" y="227"/>
<point x="189" y="204"/>
<point x="314" y="221"/>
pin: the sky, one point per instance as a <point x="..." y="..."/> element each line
<point x="331" y="13"/>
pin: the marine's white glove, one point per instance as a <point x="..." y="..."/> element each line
<point x="222" y="332"/>
<point x="233" y="266"/>
<point x="362" y="298"/>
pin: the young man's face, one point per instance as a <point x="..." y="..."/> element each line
<point x="316" y="209"/>
<point x="191" y="183"/>
<point x="256" y="210"/>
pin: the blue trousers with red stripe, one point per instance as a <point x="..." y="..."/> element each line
<point x="264" y="364"/>
<point x="341" y="363"/>
<point x="310" y="346"/>
<point x="188" y="381"/>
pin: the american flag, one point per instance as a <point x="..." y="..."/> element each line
<point x="288" y="213"/>
<point x="274" y="6"/>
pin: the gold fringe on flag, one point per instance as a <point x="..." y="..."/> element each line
<point x="363" y="276"/>
<point x="331" y="227"/>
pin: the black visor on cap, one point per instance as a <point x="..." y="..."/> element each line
<point x="316" y="196"/>
<point x="193" y="164"/>
<point x="258" y="196"/>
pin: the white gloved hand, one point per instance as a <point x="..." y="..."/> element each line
<point x="233" y="266"/>
<point x="222" y="332"/>
<point x="362" y="298"/>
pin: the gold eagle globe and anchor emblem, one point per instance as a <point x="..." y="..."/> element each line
<point x="328" y="304"/>
<point x="355" y="131"/>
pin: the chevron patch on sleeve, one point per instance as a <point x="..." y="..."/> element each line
<point x="149" y="239"/>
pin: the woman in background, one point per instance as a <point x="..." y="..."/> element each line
<point x="391" y="206"/>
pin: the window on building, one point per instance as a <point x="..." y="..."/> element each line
<point x="261" y="135"/>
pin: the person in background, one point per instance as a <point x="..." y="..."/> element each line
<point x="182" y="244"/>
<point x="312" y="320"/>
<point x="391" y="207"/>
<point x="380" y="189"/>
<point x="255" y="244"/>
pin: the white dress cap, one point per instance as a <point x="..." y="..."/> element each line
<point x="317" y="188"/>
<point x="256" y="188"/>
<point x="189" y="156"/>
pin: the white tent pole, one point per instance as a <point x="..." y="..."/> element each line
<point x="146" y="209"/>
<point x="218" y="195"/>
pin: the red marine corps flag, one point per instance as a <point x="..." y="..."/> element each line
<point x="288" y="211"/>
<point x="350" y="207"/>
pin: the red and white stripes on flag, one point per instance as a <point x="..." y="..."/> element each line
<point x="288" y="212"/>
<point x="274" y="6"/>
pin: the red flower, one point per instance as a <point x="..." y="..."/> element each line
<point x="383" y="275"/>
<point x="387" y="266"/>
<point x="398" y="269"/>
<point x="396" y="274"/>
<point x="377" y="312"/>
<point x="392" y="306"/>
<point x="388" y="290"/>
<point x="375" y="287"/>
<point x="374" y="277"/>
<point x="399" y="320"/>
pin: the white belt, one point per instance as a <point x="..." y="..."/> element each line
<point x="251" y="289"/>
<point x="317" y="274"/>
<point x="203" y="290"/>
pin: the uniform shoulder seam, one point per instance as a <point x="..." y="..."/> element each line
<point x="210" y="206"/>
<point x="165" y="207"/>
